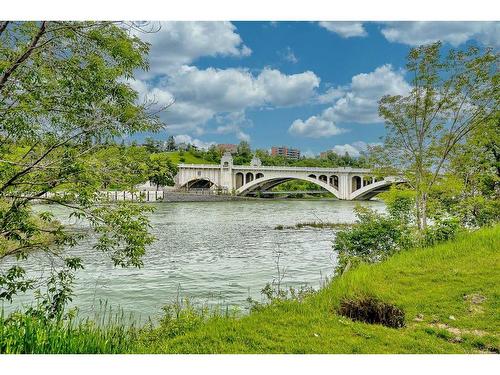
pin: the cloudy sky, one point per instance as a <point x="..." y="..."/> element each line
<point x="309" y="85"/>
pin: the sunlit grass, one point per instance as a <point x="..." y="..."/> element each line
<point x="29" y="334"/>
<point x="189" y="158"/>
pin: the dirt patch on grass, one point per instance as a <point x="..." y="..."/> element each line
<point x="475" y="300"/>
<point x="459" y="335"/>
<point x="460" y="332"/>
<point x="373" y="311"/>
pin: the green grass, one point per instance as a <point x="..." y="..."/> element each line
<point x="430" y="285"/>
<point x="188" y="158"/>
<point x="25" y="334"/>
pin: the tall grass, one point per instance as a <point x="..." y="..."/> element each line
<point x="26" y="333"/>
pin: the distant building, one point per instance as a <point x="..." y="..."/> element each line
<point x="228" y="147"/>
<point x="290" y="153"/>
<point x="324" y="154"/>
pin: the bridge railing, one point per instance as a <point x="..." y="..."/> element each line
<point x="279" y="168"/>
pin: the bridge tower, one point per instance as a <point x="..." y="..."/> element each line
<point x="226" y="171"/>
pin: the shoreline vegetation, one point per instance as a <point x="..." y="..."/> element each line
<point x="316" y="225"/>
<point x="445" y="296"/>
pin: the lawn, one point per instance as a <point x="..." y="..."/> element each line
<point x="188" y="158"/>
<point x="449" y="293"/>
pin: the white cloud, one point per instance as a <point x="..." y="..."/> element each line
<point x="359" y="102"/>
<point x="184" y="138"/>
<point x="453" y="32"/>
<point x="356" y="102"/>
<point x="319" y="126"/>
<point x="345" y="29"/>
<point x="331" y="94"/>
<point x="203" y="94"/>
<point x="286" y="90"/>
<point x="355" y="149"/>
<point x="180" y="42"/>
<point x="233" y="123"/>
<point x="289" y="56"/>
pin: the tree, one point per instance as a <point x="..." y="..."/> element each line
<point x="244" y="153"/>
<point x="152" y="145"/>
<point x="449" y="97"/>
<point x="171" y="146"/>
<point x="476" y="167"/>
<point x="161" y="170"/>
<point x="64" y="91"/>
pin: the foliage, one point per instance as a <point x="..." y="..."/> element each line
<point x="400" y="204"/>
<point x="244" y="154"/>
<point x="478" y="211"/>
<point x="449" y="98"/>
<point x="443" y="229"/>
<point x="374" y="238"/>
<point x="64" y="92"/>
<point x="161" y="170"/>
<point x="170" y="145"/>
<point x="476" y="167"/>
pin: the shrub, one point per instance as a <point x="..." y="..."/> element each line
<point x="372" y="239"/>
<point x="479" y="211"/>
<point x="373" y="311"/>
<point x="441" y="230"/>
<point x="400" y="204"/>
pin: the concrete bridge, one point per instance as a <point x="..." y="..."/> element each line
<point x="343" y="183"/>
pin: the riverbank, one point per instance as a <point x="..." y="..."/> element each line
<point x="449" y="294"/>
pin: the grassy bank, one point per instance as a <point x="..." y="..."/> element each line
<point x="186" y="158"/>
<point x="449" y="293"/>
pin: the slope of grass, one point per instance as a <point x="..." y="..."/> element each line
<point x="188" y="158"/>
<point x="450" y="295"/>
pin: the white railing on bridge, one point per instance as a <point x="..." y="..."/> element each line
<point x="278" y="168"/>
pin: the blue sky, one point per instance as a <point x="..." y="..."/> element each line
<point x="311" y="85"/>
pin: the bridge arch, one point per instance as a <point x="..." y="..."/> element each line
<point x="267" y="183"/>
<point x="199" y="183"/>
<point x="239" y="179"/>
<point x="334" y="181"/>
<point x="357" y="183"/>
<point x="369" y="191"/>
<point x="249" y="177"/>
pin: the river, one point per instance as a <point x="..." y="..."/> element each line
<point x="212" y="253"/>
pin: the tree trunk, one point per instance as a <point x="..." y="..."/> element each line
<point x="424" y="211"/>
<point x="421" y="204"/>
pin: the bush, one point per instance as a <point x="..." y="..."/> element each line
<point x="479" y="211"/>
<point x="372" y="311"/>
<point x="372" y="239"/>
<point x="441" y="230"/>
